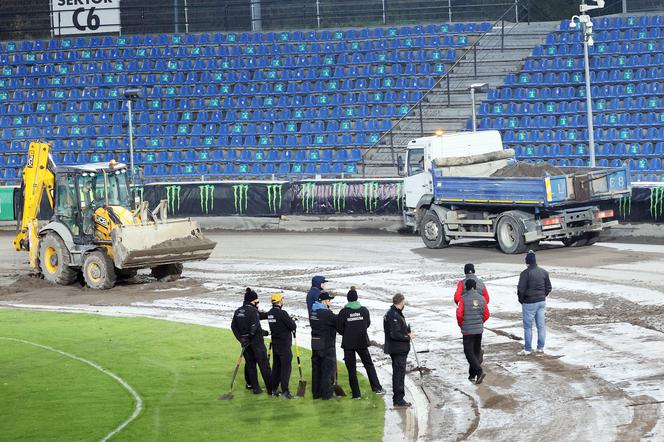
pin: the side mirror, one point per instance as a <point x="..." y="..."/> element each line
<point x="401" y="166"/>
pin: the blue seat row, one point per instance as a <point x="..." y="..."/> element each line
<point x="245" y="37"/>
<point x="620" y="22"/>
<point x="599" y="48"/>
<point x="572" y="121"/>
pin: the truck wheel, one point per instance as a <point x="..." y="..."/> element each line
<point x="432" y="231"/>
<point x="593" y="237"/>
<point x="54" y="260"/>
<point x="167" y="272"/>
<point x="98" y="271"/>
<point x="509" y="234"/>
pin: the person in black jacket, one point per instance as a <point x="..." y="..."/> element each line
<point x="352" y="323"/>
<point x="282" y="328"/>
<point x="534" y="286"/>
<point x="323" y="354"/>
<point x="246" y="326"/>
<point x="397" y="345"/>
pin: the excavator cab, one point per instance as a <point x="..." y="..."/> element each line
<point x="94" y="229"/>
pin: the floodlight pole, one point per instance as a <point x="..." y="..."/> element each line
<point x="589" y="105"/>
<point x="472" y="99"/>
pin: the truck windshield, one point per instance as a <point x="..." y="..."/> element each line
<point x="415" y="161"/>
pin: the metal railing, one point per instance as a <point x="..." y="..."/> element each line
<point x="513" y="9"/>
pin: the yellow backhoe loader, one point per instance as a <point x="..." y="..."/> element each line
<point x="93" y="230"/>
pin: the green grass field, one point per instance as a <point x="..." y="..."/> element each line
<point x="178" y="370"/>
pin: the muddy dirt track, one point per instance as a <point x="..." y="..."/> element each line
<point x="602" y="377"/>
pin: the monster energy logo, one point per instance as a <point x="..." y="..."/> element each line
<point x="139" y="192"/>
<point x="173" y="198"/>
<point x="370" y="196"/>
<point x="625" y="206"/>
<point x="308" y="196"/>
<point x="240" y="194"/>
<point x="206" y="192"/>
<point x="274" y="196"/>
<point x="339" y="194"/>
<point x="399" y="195"/>
<point x="656" y="202"/>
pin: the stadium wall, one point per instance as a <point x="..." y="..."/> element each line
<point x="312" y="197"/>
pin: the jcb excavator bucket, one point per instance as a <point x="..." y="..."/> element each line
<point x="149" y="245"/>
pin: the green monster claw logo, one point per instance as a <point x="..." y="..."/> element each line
<point x="308" y="196"/>
<point x="656" y="202"/>
<point x="339" y="194"/>
<point x="139" y="192"/>
<point x="399" y="196"/>
<point x="206" y="192"/>
<point x="240" y="195"/>
<point x="625" y="206"/>
<point x="273" y="196"/>
<point x="370" y="196"/>
<point x="173" y="198"/>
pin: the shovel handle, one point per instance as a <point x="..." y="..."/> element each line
<point x="297" y="355"/>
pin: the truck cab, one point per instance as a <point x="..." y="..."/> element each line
<point x="420" y="153"/>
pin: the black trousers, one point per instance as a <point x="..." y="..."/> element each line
<point x="398" y="376"/>
<point x="351" y="362"/>
<point x="282" y="363"/>
<point x="472" y="347"/>
<point x="322" y="372"/>
<point x="256" y="354"/>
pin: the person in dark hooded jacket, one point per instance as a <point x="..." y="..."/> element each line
<point x="317" y="286"/>
<point x="323" y="352"/>
<point x="534" y="286"/>
<point x="246" y="326"/>
<point x="352" y="323"/>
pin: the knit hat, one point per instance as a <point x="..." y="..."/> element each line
<point x="325" y="295"/>
<point x="352" y="294"/>
<point x="277" y="297"/>
<point x="530" y="258"/>
<point x="468" y="268"/>
<point x="250" y="295"/>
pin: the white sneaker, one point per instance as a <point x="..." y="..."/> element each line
<point x="524" y="353"/>
<point x="539" y="351"/>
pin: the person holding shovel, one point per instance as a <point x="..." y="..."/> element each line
<point x="397" y="345"/>
<point x="352" y="323"/>
<point x="282" y="327"/>
<point x="246" y="326"/>
<point x="323" y="353"/>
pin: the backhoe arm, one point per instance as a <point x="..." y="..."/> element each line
<point x="38" y="176"/>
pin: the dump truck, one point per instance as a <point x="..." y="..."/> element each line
<point x="95" y="230"/>
<point x="466" y="185"/>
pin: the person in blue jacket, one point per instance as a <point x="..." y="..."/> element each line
<point x="317" y="286"/>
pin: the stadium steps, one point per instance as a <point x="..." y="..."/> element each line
<point x="493" y="64"/>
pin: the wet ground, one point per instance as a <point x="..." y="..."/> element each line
<point x="601" y="377"/>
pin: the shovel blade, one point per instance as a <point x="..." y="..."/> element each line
<point x="226" y="397"/>
<point x="301" y="388"/>
<point x="338" y="391"/>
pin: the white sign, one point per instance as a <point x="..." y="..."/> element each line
<point x="85" y="16"/>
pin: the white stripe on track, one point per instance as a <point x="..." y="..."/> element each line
<point x="139" y="402"/>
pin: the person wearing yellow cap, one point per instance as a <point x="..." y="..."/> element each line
<point x="282" y="327"/>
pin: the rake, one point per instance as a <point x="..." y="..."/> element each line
<point x="228" y="396"/>
<point x="302" y="385"/>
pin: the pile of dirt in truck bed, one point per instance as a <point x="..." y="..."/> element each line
<point x="521" y="169"/>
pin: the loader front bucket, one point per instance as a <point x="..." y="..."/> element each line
<point x="149" y="245"/>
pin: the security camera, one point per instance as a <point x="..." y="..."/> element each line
<point x="572" y="24"/>
<point x="132" y="94"/>
<point x="591" y="41"/>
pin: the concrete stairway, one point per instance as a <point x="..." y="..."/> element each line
<point x="496" y="57"/>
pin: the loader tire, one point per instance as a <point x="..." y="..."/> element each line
<point x="509" y="234"/>
<point x="98" y="271"/>
<point x="126" y="273"/>
<point x="432" y="231"/>
<point x="167" y="272"/>
<point x="54" y="260"/>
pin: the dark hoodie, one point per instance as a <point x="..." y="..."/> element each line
<point x="352" y="323"/>
<point x="314" y="291"/>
